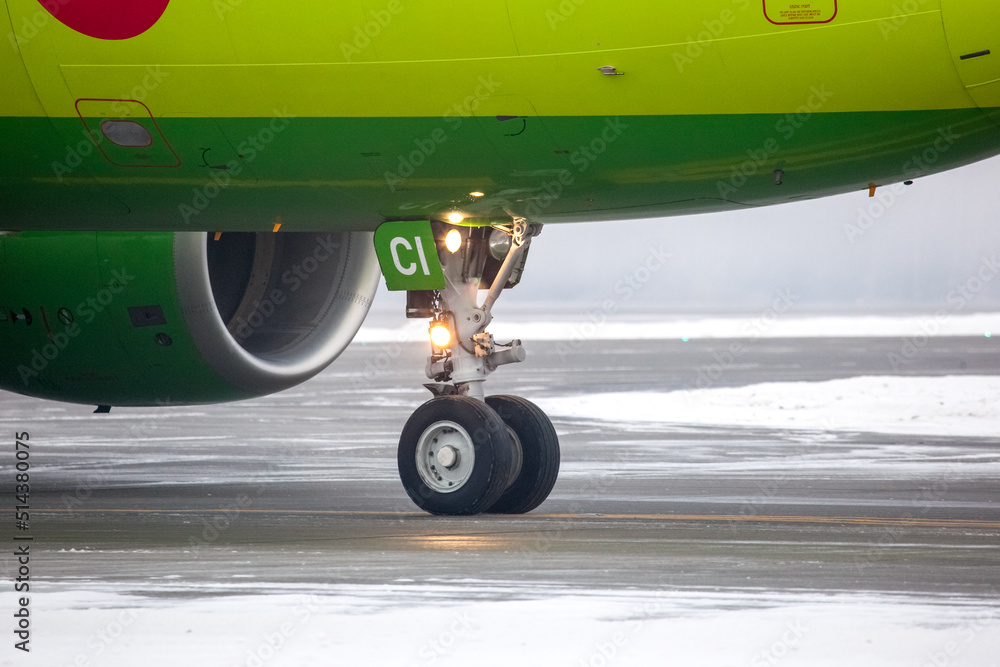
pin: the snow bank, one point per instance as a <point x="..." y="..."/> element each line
<point x="948" y="406"/>
<point x="600" y="327"/>
<point x="590" y="628"/>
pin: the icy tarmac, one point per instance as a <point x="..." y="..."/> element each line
<point x="807" y="502"/>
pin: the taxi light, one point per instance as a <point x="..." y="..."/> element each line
<point x="453" y="241"/>
<point x="440" y="335"/>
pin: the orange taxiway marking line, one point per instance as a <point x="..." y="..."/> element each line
<point x="713" y="518"/>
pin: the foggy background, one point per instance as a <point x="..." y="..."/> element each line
<point x="902" y="252"/>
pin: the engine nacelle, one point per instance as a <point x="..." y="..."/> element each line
<point x="138" y="319"/>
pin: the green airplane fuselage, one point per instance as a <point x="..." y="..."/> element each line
<point x="246" y="114"/>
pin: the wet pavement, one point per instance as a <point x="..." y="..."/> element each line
<point x="298" y="492"/>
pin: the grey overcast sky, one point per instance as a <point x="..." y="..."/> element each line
<point x="933" y="237"/>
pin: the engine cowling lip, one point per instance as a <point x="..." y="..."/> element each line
<point x="246" y="371"/>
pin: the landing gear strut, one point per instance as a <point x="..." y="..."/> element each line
<point x="462" y="452"/>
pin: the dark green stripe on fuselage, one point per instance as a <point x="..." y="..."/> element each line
<point x="354" y="173"/>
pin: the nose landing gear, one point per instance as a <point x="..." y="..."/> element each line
<point x="463" y="453"/>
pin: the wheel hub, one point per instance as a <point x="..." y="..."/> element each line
<point x="445" y="457"/>
<point x="448" y="457"/>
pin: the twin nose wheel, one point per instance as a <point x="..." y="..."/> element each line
<point x="460" y="456"/>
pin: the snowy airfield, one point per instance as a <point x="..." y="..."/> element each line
<point x="391" y="625"/>
<point x="833" y="510"/>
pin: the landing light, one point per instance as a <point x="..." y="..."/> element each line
<point x="477" y="195"/>
<point x="440" y="335"/>
<point x="453" y="241"/>
<point x="456" y="218"/>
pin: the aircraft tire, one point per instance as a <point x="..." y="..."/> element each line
<point x="455" y="456"/>
<point x="539" y="449"/>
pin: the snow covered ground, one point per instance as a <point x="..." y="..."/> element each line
<point x="359" y="626"/>
<point x="958" y="406"/>
<point x="250" y="623"/>
<point x="950" y="406"/>
<point x="602" y="326"/>
<point x="246" y="622"/>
